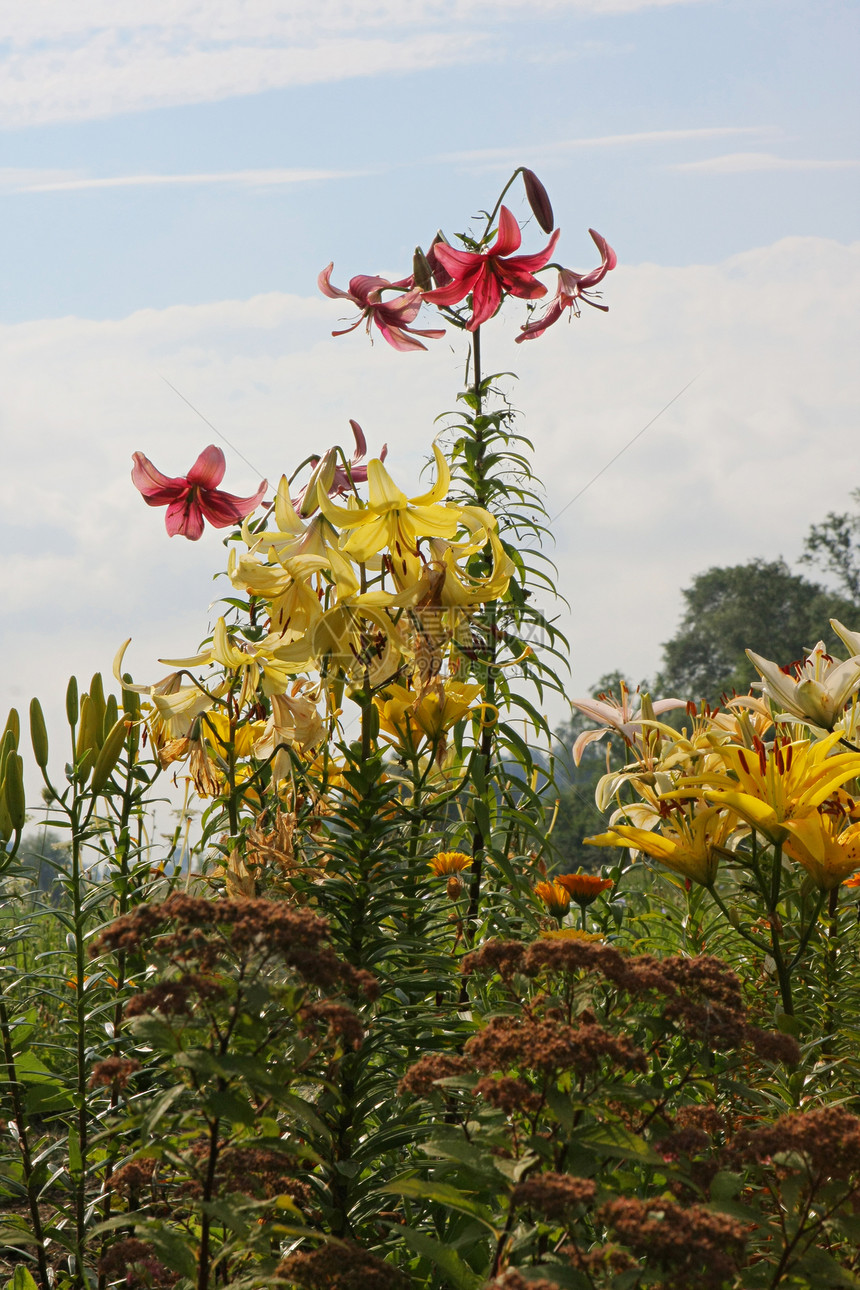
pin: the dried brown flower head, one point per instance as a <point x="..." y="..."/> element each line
<point x="420" y="1079"/>
<point x="697" y="1249"/>
<point x="557" y="1196"/>
<point x="827" y="1140"/>
<point x="114" y="1070"/>
<point x="547" y="1045"/>
<point x="136" y="1263"/>
<point x="340" y="1265"/>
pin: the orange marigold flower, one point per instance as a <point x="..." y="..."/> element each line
<point x="583" y="887"/>
<point x="554" y="896"/>
<point x="445" y="862"/>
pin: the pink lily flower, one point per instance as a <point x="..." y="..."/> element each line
<point x="571" y="288"/>
<point x="341" y="480"/>
<point x="390" y="316"/>
<point x="195" y="497"/>
<point x="489" y="275"/>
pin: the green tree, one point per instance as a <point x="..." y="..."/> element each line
<point x="834" y="546"/>
<point x="760" y="605"/>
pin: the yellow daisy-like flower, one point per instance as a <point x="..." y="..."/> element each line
<point x="445" y="862"/>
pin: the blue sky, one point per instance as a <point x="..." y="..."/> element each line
<point x="174" y="176"/>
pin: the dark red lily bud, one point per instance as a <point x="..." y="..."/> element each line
<point x="422" y="274"/>
<point x="441" y="276"/>
<point x="538" y="199"/>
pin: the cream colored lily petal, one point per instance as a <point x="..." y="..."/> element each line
<point x="285" y="514"/>
<point x="117" y="671"/>
<point x="850" y="639"/>
<point x="383" y="493"/>
<point x="443" y="481"/>
<point x="197" y="660"/>
<point x="372" y="535"/>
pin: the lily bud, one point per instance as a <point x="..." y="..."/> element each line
<point x="97" y="699"/>
<point x="13" y="727"/>
<point x="38" y="733"/>
<point x="6" y="829"/>
<point x="441" y="276"/>
<point x="13" y="791"/>
<point x="72" y="701"/>
<point x="422" y="274"/>
<point x="538" y="199"/>
<point x="111" y="715"/>
<point x="322" y="478"/>
<point x="130" y="700"/>
<point x="109" y="755"/>
<point x="89" y="730"/>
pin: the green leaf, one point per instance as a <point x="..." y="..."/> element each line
<point x="457" y="1273"/>
<point x="230" y="1106"/>
<point x="615" y="1140"/>
<point x="442" y="1194"/>
<point x="76" y="1162"/>
<point x="172" y="1250"/>
<point x="21" y="1279"/>
<point x="725" y="1185"/>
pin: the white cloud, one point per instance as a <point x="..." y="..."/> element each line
<point x="99" y="57"/>
<point x="741" y="163"/>
<point x="559" y="147"/>
<point x="762" y="445"/>
<point x="58" y="181"/>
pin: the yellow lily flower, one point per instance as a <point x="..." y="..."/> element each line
<point x="268" y="659"/>
<point x="392" y="521"/>
<point x="776" y="785"/>
<point x="294" y="605"/>
<point x="444" y="583"/>
<point x="177" y="707"/>
<point x="215" y="730"/>
<point x="294" y="721"/>
<point x="827" y="851"/>
<point x="410" y="717"/>
<point x="689" y="843"/>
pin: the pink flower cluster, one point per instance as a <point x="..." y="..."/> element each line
<point x="485" y="276"/>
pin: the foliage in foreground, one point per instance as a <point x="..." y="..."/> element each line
<point x="350" y="1026"/>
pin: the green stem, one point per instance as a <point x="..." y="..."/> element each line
<point x="203" y="1269"/>
<point x="80" y="1038"/>
<point x="782" y="970"/>
<point x="24" y="1146"/>
<point x="494" y="212"/>
<point x="830" y="966"/>
<point x="485" y="752"/>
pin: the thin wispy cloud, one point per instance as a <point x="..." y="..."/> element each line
<point x="740" y="163"/>
<point x="23" y="181"/>
<point x="560" y="147"/>
<point x="97" y="58"/>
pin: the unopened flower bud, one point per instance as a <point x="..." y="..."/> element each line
<point x="421" y="272"/>
<point x="538" y="199"/>
<point x="38" y="733"/>
<point x="13" y="791"/>
<point x="454" y="887"/>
